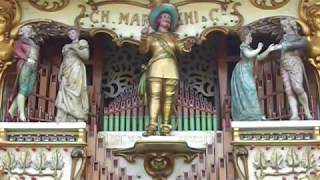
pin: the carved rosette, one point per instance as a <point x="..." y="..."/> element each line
<point x="49" y="6"/>
<point x="269" y="4"/>
<point x="159" y="165"/>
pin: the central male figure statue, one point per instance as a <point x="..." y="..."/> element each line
<point x="162" y="71"/>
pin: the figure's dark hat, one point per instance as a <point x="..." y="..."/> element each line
<point x="164" y="8"/>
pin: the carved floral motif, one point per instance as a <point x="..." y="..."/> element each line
<point x="25" y="163"/>
<point x="299" y="162"/>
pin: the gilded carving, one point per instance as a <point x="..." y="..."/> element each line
<point x="152" y="3"/>
<point x="159" y="165"/>
<point x="76" y="156"/>
<point x="269" y="4"/>
<point x="309" y="12"/>
<point x="158" y="157"/>
<point x="10" y="16"/>
<point x="49" y="6"/>
<point x="241" y="162"/>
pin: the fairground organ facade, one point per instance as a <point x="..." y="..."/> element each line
<point x="159" y="89"/>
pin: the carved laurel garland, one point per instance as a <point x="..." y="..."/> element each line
<point x="49" y="6"/>
<point x="269" y="4"/>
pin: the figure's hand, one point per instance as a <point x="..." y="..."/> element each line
<point x="145" y="31"/>
<point x="189" y="43"/>
<point x="260" y="45"/>
<point x="31" y="60"/>
<point x="274" y="47"/>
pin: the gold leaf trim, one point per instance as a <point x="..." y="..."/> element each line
<point x="269" y="4"/>
<point x="51" y="6"/>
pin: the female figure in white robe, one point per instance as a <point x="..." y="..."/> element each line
<point x="72" y="99"/>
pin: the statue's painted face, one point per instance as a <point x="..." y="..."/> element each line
<point x="288" y="26"/>
<point x="248" y="38"/>
<point x="26" y="31"/>
<point x="164" y="20"/>
<point x="73" y="34"/>
<point x="3" y="24"/>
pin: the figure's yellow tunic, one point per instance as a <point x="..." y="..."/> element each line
<point x="162" y="73"/>
<point x="163" y="47"/>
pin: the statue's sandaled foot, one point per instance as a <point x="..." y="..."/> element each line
<point x="23" y="118"/>
<point x="150" y="130"/>
<point x="308" y="117"/>
<point x="294" y="117"/>
<point x="165" y="130"/>
<point x="9" y="117"/>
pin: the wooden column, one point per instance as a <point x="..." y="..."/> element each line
<point x="222" y="73"/>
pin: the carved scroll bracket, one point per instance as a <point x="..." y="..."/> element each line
<point x="159" y="156"/>
<point x="49" y="6"/>
<point x="241" y="157"/>
<point x="269" y="4"/>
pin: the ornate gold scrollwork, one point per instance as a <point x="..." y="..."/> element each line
<point x="269" y="4"/>
<point x="159" y="165"/>
<point x="158" y="157"/>
<point x="309" y="12"/>
<point x="240" y="154"/>
<point x="77" y="155"/>
<point x="224" y="4"/>
<point x="10" y="16"/>
<point x="51" y="6"/>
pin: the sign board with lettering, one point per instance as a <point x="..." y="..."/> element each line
<point x="124" y="19"/>
<point x="127" y="20"/>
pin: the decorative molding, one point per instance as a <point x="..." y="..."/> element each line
<point x="297" y="162"/>
<point x="16" y="134"/>
<point x="46" y="29"/>
<point x="28" y="164"/>
<point x="291" y="151"/>
<point x="293" y="162"/>
<point x="95" y="4"/>
<point x="49" y="6"/>
<point x="269" y="4"/>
